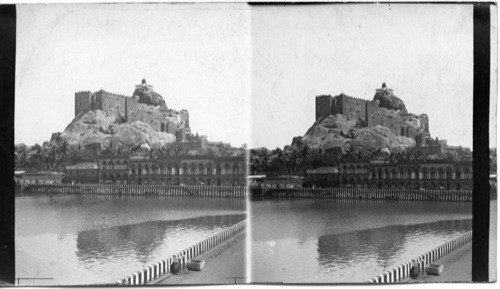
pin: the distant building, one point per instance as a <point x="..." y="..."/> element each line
<point x="323" y="177"/>
<point x="186" y="170"/>
<point x="151" y="110"/>
<point x="38" y="178"/>
<point x="430" y="175"/>
<point x="81" y="173"/>
<point x="433" y="175"/>
<point x="372" y="113"/>
<point x="355" y="174"/>
<point x="276" y="182"/>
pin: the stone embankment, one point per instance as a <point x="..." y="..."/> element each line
<point x="374" y="194"/>
<point x="158" y="269"/>
<point x="402" y="271"/>
<point x="160" y="190"/>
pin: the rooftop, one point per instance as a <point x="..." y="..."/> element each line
<point x="82" y="166"/>
<point x="323" y="170"/>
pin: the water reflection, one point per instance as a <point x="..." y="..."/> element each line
<point x="384" y="245"/>
<point x="96" y="239"/>
<point x="325" y="241"/>
<point x="143" y="239"/>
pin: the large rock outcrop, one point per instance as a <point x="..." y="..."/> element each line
<point x="338" y="131"/>
<point x="388" y="100"/>
<point x="148" y="96"/>
<point x="96" y="128"/>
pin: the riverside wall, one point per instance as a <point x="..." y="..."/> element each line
<point x="122" y="189"/>
<point x="374" y="194"/>
<point x="158" y="269"/>
<point x="401" y="272"/>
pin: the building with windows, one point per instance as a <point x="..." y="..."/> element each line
<point x="181" y="170"/>
<point x="430" y="175"/>
<point x="323" y="177"/>
<point x="354" y="174"/>
<point x="81" y="173"/>
<point x="38" y="178"/>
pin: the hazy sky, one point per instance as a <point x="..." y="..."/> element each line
<point x="423" y="52"/>
<point x="195" y="56"/>
<point x="246" y="74"/>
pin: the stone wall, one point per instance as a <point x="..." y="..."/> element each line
<point x="160" y="119"/>
<point x="369" y="114"/>
<point x="324" y="106"/>
<point x="351" y="107"/>
<point x="110" y="103"/>
<point x="82" y="102"/>
<point x="390" y="119"/>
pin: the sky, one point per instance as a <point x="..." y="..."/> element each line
<point x="423" y="52"/>
<point x="195" y="55"/>
<point x="246" y="74"/>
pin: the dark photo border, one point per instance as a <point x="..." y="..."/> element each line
<point x="481" y="119"/>
<point x="480" y="153"/>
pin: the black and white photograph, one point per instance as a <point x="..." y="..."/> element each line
<point x="226" y="143"/>
<point x="361" y="146"/>
<point x="131" y="122"/>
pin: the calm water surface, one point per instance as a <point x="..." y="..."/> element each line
<point x="325" y="241"/>
<point x="100" y="239"/>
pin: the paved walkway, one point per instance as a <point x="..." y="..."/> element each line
<point x="457" y="267"/>
<point x="225" y="260"/>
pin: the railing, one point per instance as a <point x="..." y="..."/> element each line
<point x="122" y="189"/>
<point x="376" y="194"/>
<point x="402" y="271"/>
<point x="158" y="269"/>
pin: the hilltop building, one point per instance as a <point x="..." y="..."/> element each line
<point x="144" y="105"/>
<point x="385" y="109"/>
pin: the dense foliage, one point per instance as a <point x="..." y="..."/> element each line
<point x="297" y="159"/>
<point x="55" y="155"/>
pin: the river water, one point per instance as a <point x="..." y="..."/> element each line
<point x="336" y="241"/>
<point x="85" y="239"/>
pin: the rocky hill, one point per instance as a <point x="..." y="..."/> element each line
<point x="98" y="128"/>
<point x="148" y="96"/>
<point x="388" y="100"/>
<point x="339" y="131"/>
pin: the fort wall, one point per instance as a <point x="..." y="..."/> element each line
<point x="141" y="112"/>
<point x="350" y="106"/>
<point x="110" y="103"/>
<point x="370" y="114"/>
<point x="82" y="102"/>
<point x="160" y="119"/>
<point x="324" y="106"/>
